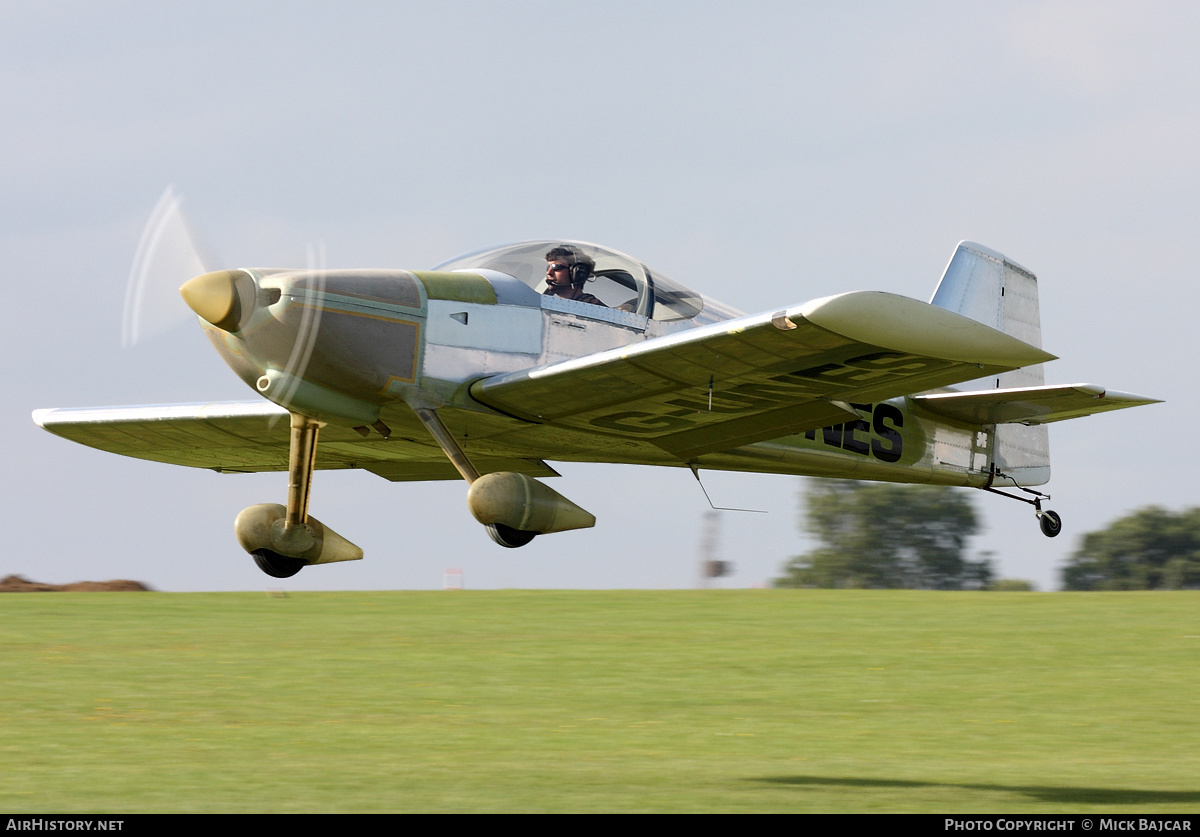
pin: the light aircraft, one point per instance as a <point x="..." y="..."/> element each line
<point x="493" y="363"/>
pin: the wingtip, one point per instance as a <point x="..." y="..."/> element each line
<point x="904" y="324"/>
<point x="1132" y="398"/>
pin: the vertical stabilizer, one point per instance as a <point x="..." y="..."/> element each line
<point x="992" y="289"/>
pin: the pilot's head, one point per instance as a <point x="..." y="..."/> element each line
<point x="568" y="265"/>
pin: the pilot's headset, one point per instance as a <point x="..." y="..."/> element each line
<point x="581" y="265"/>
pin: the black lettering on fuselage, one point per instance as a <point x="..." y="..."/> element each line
<point x="886" y="421"/>
<point x="852" y="443"/>
<point x="832" y="435"/>
<point x="895" y="442"/>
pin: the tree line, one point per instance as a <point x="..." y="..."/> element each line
<point x="884" y="536"/>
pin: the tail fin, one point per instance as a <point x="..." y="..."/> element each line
<point x="990" y="288"/>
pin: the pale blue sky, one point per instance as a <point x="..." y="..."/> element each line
<point x="763" y="153"/>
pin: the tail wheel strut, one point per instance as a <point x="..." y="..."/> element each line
<point x="1049" y="521"/>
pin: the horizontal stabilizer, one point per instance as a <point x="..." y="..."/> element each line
<point x="1029" y="405"/>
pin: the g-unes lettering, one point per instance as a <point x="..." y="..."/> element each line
<point x="886" y="444"/>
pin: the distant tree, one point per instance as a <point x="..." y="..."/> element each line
<point x="1151" y="549"/>
<point x="878" y="535"/>
<point x="1011" y="585"/>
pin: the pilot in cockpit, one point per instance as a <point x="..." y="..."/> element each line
<point x="567" y="268"/>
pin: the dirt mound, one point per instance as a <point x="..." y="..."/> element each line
<point x="16" y="584"/>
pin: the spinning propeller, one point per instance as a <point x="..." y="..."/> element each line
<point x="169" y="262"/>
<point x="282" y="539"/>
<point x="166" y="257"/>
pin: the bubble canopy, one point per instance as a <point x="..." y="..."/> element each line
<point x="619" y="281"/>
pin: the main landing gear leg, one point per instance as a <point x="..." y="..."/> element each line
<point x="1049" y="521"/>
<point x="285" y="539"/>
<point x="506" y="536"/>
<point x="295" y="533"/>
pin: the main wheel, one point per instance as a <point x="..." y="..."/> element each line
<point x="1051" y="523"/>
<point x="276" y="565"/>
<point x="509" y="537"/>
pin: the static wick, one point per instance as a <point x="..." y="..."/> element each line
<point x="696" y="473"/>
<point x="710" y="388"/>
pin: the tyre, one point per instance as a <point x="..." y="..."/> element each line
<point x="1051" y="524"/>
<point x="509" y="537"/>
<point x="276" y="565"/>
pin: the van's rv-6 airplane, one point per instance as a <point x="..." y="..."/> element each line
<point x="473" y="370"/>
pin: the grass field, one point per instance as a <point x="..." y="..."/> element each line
<point x="755" y="700"/>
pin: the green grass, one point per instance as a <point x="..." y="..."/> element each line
<point x="761" y="700"/>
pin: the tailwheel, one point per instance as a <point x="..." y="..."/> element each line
<point x="509" y="537"/>
<point x="1050" y="522"/>
<point x="276" y="565"/>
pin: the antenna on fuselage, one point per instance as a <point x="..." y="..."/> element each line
<point x="696" y="473"/>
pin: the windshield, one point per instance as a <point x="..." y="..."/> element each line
<point x="619" y="281"/>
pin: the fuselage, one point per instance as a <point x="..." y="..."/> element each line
<point x="360" y="348"/>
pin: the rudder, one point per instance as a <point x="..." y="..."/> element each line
<point x="990" y="288"/>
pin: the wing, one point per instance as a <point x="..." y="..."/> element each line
<point x="1032" y="405"/>
<point x="248" y="436"/>
<point x="761" y="377"/>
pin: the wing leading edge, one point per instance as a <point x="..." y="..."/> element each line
<point x="251" y="436"/>
<point x="760" y="377"/>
